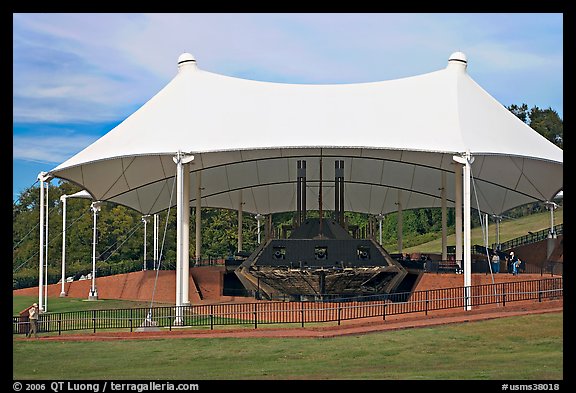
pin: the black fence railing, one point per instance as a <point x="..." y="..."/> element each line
<point x="280" y="312"/>
<point x="482" y="265"/>
<point x="532" y="237"/>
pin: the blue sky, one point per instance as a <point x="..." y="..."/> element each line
<point x="76" y="76"/>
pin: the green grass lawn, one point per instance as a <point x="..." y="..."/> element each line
<point x="513" y="348"/>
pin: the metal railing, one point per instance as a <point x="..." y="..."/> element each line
<point x="531" y="237"/>
<point x="279" y="312"/>
<point x="482" y="266"/>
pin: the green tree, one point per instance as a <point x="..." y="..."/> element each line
<point x="546" y="122"/>
<point x="520" y="111"/>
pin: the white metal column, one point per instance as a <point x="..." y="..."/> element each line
<point x="42" y="177"/>
<point x="198" y="217"/>
<point x="552" y="235"/>
<point x="186" y="231"/>
<point x="552" y="206"/>
<point x="399" y="229"/>
<point x="465" y="160"/>
<point x="240" y="220"/>
<point x="46" y="206"/>
<point x="458" y="212"/>
<point x="63" y="279"/>
<point x="64" y="199"/>
<point x="259" y="217"/>
<point x="179" y="244"/>
<point x="93" y="294"/>
<point x="41" y="251"/>
<point x="180" y="160"/>
<point x="156" y="241"/>
<point x="487" y="243"/>
<point x="145" y="220"/>
<point x="380" y="217"/>
<point x="467" y="228"/>
<point x="497" y="219"/>
<point x="444" y="218"/>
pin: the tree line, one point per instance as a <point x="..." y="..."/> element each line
<point x="120" y="233"/>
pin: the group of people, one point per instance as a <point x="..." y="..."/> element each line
<point x="514" y="263"/>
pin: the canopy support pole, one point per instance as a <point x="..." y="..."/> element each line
<point x="179" y="241"/>
<point x="46" y="206"/>
<point x="93" y="294"/>
<point x="497" y="219"/>
<point x="487" y="230"/>
<point x="399" y="229"/>
<point x="64" y="199"/>
<point x="42" y="177"/>
<point x="63" y="278"/>
<point x="458" y="213"/>
<point x="145" y="220"/>
<point x="380" y="217"/>
<point x="444" y="219"/>
<point x="465" y="160"/>
<point x="467" y="240"/>
<point x="259" y="218"/>
<point x="240" y="203"/>
<point x="182" y="235"/>
<point x="186" y="234"/>
<point x="198" y="217"/>
<point x="268" y="228"/>
<point x="41" y="253"/>
<point x="155" y="230"/>
<point x="551" y="242"/>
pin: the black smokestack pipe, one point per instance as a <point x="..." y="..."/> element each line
<point x="320" y="198"/>
<point x="303" y="169"/>
<point x="336" y="191"/>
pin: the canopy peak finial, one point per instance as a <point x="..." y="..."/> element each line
<point x="186" y="59"/>
<point x="458" y="59"/>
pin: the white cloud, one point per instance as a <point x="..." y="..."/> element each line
<point x="49" y="149"/>
<point x="106" y="62"/>
<point x="90" y="69"/>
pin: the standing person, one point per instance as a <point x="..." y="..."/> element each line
<point x="33" y="318"/>
<point x="496" y="262"/>
<point x="514" y="262"/>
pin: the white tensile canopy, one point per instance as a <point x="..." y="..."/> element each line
<point x="208" y="140"/>
<point x="247" y="135"/>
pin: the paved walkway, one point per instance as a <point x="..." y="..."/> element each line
<point x="349" y="327"/>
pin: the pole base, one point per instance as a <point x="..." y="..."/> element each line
<point x="63" y="294"/>
<point x="93" y="295"/>
<point x="148" y="325"/>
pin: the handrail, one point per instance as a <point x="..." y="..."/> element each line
<point x="301" y="312"/>
<point x="531" y="237"/>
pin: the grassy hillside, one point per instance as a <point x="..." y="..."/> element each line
<point x="509" y="229"/>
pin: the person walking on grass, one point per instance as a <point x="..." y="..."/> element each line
<point x="33" y="318"/>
